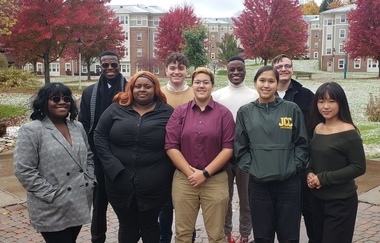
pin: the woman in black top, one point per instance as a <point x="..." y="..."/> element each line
<point x="130" y="139"/>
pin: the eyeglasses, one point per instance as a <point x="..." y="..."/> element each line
<point x="113" y="64"/>
<point x="57" y="99"/>
<point x="199" y="82"/>
<point x="180" y="68"/>
<point x="286" y="66"/>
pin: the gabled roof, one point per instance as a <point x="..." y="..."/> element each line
<point x="137" y="8"/>
<point x="343" y="9"/>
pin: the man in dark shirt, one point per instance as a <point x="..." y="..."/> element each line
<point x="290" y="89"/>
<point x="95" y="99"/>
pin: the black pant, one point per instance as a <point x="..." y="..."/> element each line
<point x="100" y="203"/>
<point x="134" y="224"/>
<point x="334" y="221"/>
<point x="68" y="235"/>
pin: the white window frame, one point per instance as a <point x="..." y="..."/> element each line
<point x="315" y="54"/>
<point x="342" y="33"/>
<point x="212" y="55"/>
<point x="139" y="36"/>
<point x="343" y="18"/>
<point x="139" y="52"/>
<point x="328" y="51"/>
<point x="357" y="63"/>
<point x="340" y="63"/>
<point x="138" y="20"/>
<point x="328" y="36"/>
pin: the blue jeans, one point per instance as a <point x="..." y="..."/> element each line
<point x="276" y="208"/>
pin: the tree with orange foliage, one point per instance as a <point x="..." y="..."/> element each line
<point x="310" y="8"/>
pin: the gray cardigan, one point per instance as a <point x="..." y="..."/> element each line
<point x="59" y="178"/>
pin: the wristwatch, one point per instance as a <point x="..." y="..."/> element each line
<point x="205" y="173"/>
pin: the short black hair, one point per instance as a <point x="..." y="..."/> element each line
<point x="109" y="53"/>
<point x="39" y="104"/>
<point x="235" y="58"/>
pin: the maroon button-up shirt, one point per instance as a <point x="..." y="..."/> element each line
<point x="200" y="135"/>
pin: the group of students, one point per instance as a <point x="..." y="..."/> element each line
<point x="147" y="149"/>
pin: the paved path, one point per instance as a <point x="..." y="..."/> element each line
<point x="15" y="227"/>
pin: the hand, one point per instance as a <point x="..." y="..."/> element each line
<point x="313" y="181"/>
<point x="197" y="178"/>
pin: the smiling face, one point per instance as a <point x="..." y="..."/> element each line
<point x="285" y="69"/>
<point x="143" y="91"/>
<point x="58" y="109"/>
<point x="110" y="66"/>
<point x="202" y="87"/>
<point x="328" y="107"/>
<point x="176" y="73"/>
<point x="236" y="72"/>
<point x="266" y="86"/>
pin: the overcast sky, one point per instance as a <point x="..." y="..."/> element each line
<point x="203" y="8"/>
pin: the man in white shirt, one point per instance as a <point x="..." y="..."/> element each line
<point x="233" y="96"/>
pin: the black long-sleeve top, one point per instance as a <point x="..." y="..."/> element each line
<point x="131" y="151"/>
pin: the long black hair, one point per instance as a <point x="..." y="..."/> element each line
<point x="40" y="102"/>
<point x="335" y="92"/>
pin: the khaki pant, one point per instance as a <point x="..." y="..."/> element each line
<point x="212" y="196"/>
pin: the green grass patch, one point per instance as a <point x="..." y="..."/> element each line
<point x="370" y="133"/>
<point x="9" y="111"/>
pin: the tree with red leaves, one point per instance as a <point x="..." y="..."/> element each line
<point x="364" y="30"/>
<point x="267" y="28"/>
<point x="45" y="30"/>
<point x="170" y="30"/>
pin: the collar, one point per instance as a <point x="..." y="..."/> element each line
<point x="171" y="88"/>
<point x="236" y="86"/>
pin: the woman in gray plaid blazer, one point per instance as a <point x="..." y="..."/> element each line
<point x="53" y="161"/>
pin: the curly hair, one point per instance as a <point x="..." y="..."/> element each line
<point x="126" y="98"/>
<point x="40" y="101"/>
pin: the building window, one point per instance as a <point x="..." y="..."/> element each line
<point x="123" y="68"/>
<point x="139" y="36"/>
<point x="212" y="37"/>
<point x="126" y="35"/>
<point x="212" y="55"/>
<point x="328" y="36"/>
<point x="316" y="45"/>
<point x="316" y="35"/>
<point x="328" y="51"/>
<point x="343" y="18"/>
<point x="341" y="64"/>
<point x="342" y="33"/>
<point x="156" y="69"/>
<point x="67" y="66"/>
<point x="139" y="52"/>
<point x="315" y="55"/>
<point x="139" y="20"/>
<point x="341" y="48"/>
<point x="121" y="19"/>
<point x="126" y="52"/>
<point x="127" y="68"/>
<point x="357" y="63"/>
<point x="329" y="22"/>
<point x="154" y="36"/>
<point x="138" y="67"/>
<point x="156" y="21"/>
<point x="212" y="46"/>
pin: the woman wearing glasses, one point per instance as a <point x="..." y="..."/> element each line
<point x="53" y="162"/>
<point x="199" y="141"/>
<point x="130" y="139"/>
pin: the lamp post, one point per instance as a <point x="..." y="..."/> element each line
<point x="333" y="55"/>
<point x="79" y="42"/>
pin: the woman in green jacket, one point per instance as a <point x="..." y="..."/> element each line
<point x="271" y="145"/>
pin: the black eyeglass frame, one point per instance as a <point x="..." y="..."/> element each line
<point x="112" y="64"/>
<point x="57" y="99"/>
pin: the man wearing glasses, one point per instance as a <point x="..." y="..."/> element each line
<point x="177" y="92"/>
<point x="290" y="89"/>
<point x="95" y="99"/>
